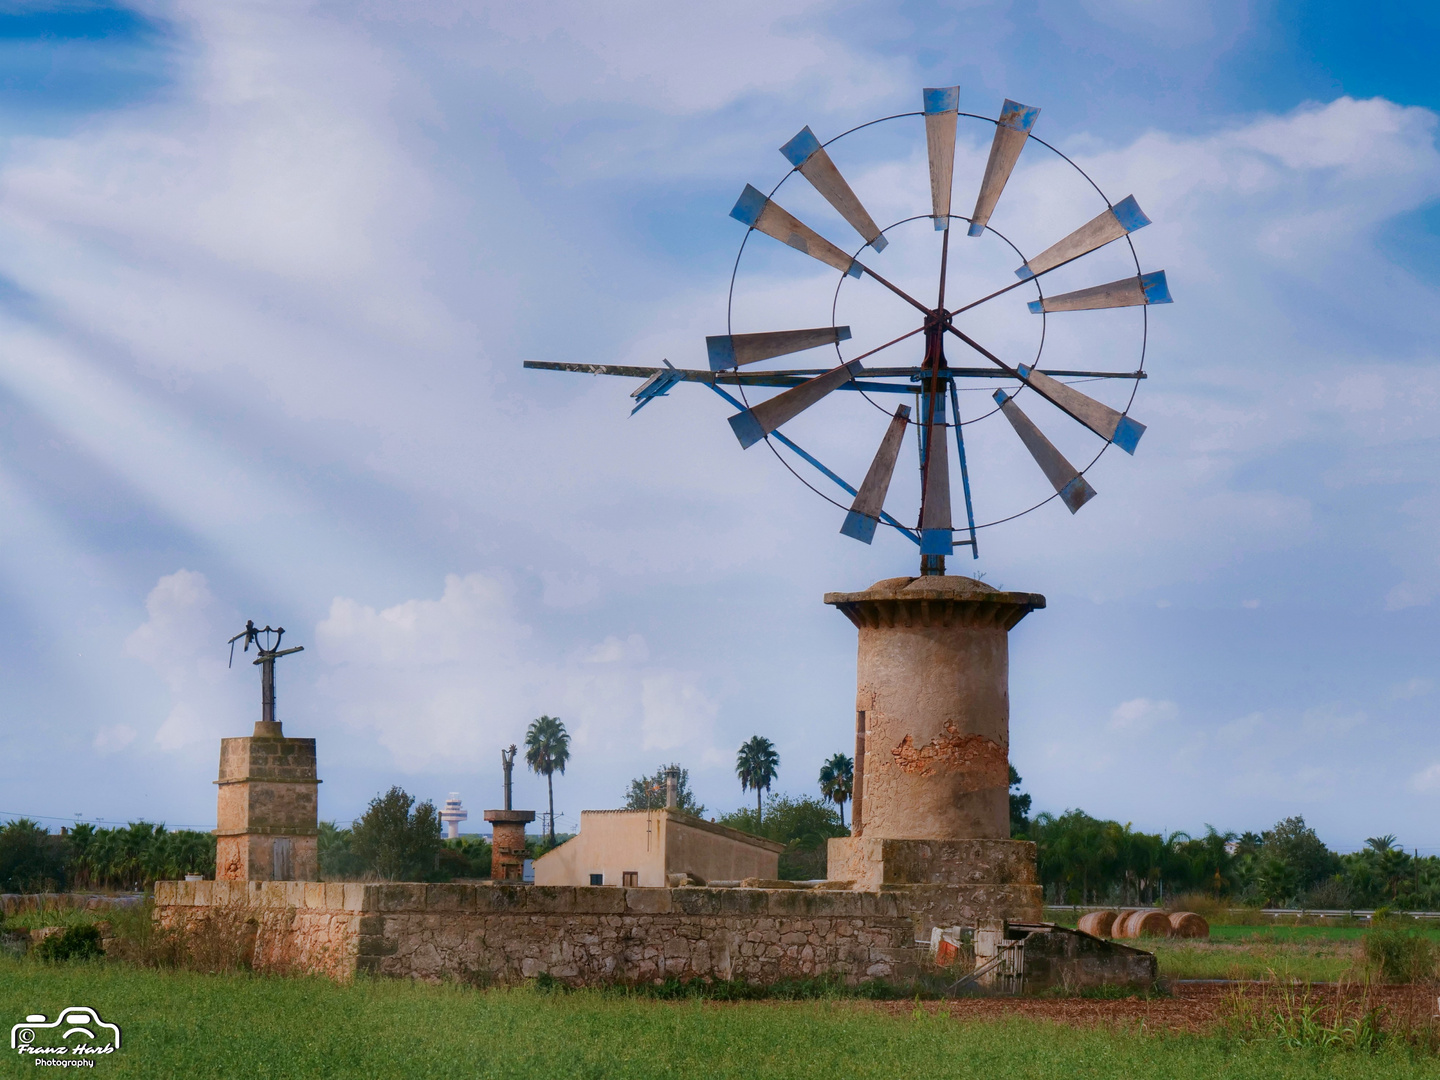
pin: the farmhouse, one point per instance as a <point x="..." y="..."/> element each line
<point x="643" y="848"/>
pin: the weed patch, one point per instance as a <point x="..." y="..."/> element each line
<point x="1400" y="954"/>
<point x="78" y="942"/>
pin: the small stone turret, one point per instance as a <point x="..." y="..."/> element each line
<point x="507" y="843"/>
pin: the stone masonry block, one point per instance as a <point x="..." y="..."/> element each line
<point x="599" y="900"/>
<point x="647" y="901"/>
<point x="401" y="896"/>
<point x="696" y="901"/>
<point x="358" y="897"/>
<point x="743" y="901"/>
<point x="449" y="897"/>
<point x="500" y="898"/>
<point x="550" y="899"/>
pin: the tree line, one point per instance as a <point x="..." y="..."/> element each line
<point x="1087" y="860"/>
<point x="83" y="856"/>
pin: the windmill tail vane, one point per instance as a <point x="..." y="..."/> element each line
<point x="738" y="361"/>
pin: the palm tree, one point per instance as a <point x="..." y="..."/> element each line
<point x="547" y="749"/>
<point x="837" y="780"/>
<point x="756" y="765"/>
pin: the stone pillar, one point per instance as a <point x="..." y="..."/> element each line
<point x="507" y="845"/>
<point x="267" y="812"/>
<point x="932" y="737"/>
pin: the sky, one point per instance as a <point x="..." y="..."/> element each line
<point x="269" y="271"/>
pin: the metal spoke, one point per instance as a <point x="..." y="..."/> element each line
<point x="902" y="337"/>
<point x="944" y="264"/>
<point x="895" y="289"/>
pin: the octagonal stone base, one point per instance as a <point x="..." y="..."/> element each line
<point x="955" y="882"/>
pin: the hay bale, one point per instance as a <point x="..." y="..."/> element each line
<point x="1187" y="924"/>
<point x="1151" y="922"/>
<point x="1120" y="928"/>
<point x="1097" y="923"/>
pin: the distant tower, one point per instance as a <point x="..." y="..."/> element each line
<point x="452" y="815"/>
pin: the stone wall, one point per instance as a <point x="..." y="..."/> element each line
<point x="580" y="935"/>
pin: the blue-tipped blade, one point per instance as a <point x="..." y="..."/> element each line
<point x="1127" y="434"/>
<point x="941" y="99"/>
<point x="937" y="542"/>
<point x="799" y="149"/>
<point x="1127" y="211"/>
<point x="747" y="429"/>
<point x="1157" y="290"/>
<point x="721" y="350"/>
<point x="749" y="206"/>
<point x="859" y="527"/>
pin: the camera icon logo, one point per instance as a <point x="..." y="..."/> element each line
<point x="76" y="1030"/>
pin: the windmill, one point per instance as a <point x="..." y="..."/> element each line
<point x="740" y="361"/>
<point x="267" y="646"/>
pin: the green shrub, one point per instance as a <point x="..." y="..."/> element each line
<point x="79" y="942"/>
<point x="803" y="825"/>
<point x="395" y="842"/>
<point x="31" y="860"/>
<point x="1399" y="954"/>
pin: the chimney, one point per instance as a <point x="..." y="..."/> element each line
<point x="672" y="787"/>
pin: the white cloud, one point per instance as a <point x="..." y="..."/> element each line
<point x="1143" y="714"/>
<point x="183" y="640"/>
<point x="442" y="682"/>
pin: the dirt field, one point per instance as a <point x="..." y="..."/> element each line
<point x="1191" y="1007"/>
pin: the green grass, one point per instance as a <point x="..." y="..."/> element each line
<point x="1310" y="953"/>
<point x="32" y="920"/>
<point x="180" y="1024"/>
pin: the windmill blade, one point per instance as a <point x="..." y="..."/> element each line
<point x="1127" y="292"/>
<point x="1110" y="425"/>
<point x="865" y="511"/>
<point x="1120" y="220"/>
<point x="758" y="211"/>
<point x="1011" y="135"/>
<point x="756" y="422"/>
<point x="813" y="163"/>
<point x="942" y="114"/>
<point x="1073" y="489"/>
<point x="735" y="350"/>
<point x="936" y="532"/>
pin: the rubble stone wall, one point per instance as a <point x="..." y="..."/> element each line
<point x="503" y="933"/>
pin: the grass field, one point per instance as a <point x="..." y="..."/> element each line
<point x="182" y="1024"/>
<point x="1312" y="953"/>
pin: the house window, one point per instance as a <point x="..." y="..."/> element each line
<point x="630" y="879"/>
<point x="597" y="879"/>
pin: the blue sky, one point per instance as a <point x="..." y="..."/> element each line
<point x="268" y="272"/>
